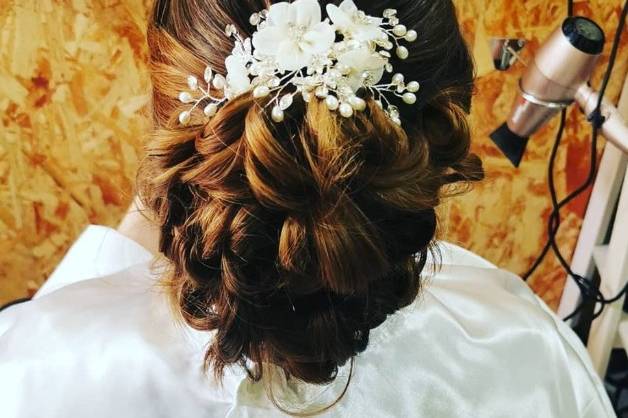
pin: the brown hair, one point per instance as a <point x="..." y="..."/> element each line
<point x="292" y="241"/>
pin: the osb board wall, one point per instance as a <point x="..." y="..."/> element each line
<point x="73" y="97"/>
<point x="504" y="219"/>
<point x="72" y="89"/>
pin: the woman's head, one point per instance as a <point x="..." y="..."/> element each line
<point x="293" y="240"/>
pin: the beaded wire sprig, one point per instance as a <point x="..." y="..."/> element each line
<point x="294" y="52"/>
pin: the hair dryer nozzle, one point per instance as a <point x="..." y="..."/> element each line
<point x="512" y="145"/>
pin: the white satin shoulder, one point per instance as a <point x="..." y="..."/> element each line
<point x="100" y="341"/>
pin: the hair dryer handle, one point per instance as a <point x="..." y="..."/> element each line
<point x="614" y="128"/>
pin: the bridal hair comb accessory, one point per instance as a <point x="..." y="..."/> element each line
<point x="294" y="52"/>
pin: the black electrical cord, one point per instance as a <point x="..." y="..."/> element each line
<point x="570" y="8"/>
<point x="588" y="292"/>
<point x="548" y="246"/>
<point x="597" y="120"/>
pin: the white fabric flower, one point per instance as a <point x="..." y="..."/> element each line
<point x="243" y="49"/>
<point x="353" y="23"/>
<point x="294" y="34"/>
<point x="238" y="80"/>
<point x="237" y="75"/>
<point x="359" y="61"/>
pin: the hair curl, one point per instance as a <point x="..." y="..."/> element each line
<point x="292" y="241"/>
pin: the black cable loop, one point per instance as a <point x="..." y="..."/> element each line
<point x="588" y="290"/>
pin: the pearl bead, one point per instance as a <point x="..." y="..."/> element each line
<point x="409" y="98"/>
<point x="403" y="53"/>
<point x="357" y="103"/>
<point x="277" y="114"/>
<point x="261" y="91"/>
<point x="413" y="86"/>
<point x="397" y="121"/>
<point x="184" y="118"/>
<point x="411" y="36"/>
<point x="307" y="96"/>
<point x="210" y="110"/>
<point x="400" y="30"/>
<point x="219" y="82"/>
<point x="192" y="82"/>
<point x="185" y="97"/>
<point x="346" y="110"/>
<point x="398" y="78"/>
<point x="332" y="102"/>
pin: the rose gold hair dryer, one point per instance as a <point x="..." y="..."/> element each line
<point x="556" y="78"/>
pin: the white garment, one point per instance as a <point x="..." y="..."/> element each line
<point x="477" y="343"/>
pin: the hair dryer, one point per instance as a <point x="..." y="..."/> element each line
<point x="554" y="80"/>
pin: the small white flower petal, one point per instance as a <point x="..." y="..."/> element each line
<point x="267" y="40"/>
<point x="307" y="12"/>
<point x="237" y="75"/>
<point x="369" y="33"/>
<point x="280" y="14"/>
<point x="320" y="38"/>
<point x="362" y="60"/>
<point x="348" y="6"/>
<point x="290" y="57"/>
<point x="342" y="20"/>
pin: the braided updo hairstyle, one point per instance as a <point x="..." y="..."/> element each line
<point x="292" y="241"/>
